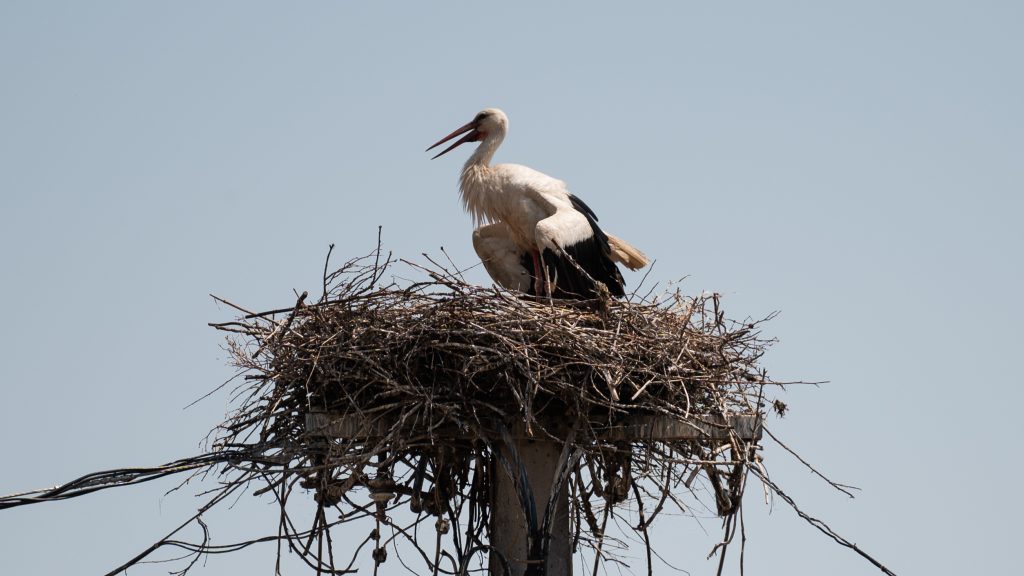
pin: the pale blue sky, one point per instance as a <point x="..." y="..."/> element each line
<point x="857" y="167"/>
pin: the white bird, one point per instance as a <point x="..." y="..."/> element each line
<point x="538" y="237"/>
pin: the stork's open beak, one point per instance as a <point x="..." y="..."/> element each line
<point x="473" y="136"/>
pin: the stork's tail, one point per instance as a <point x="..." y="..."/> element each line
<point x="625" y="254"/>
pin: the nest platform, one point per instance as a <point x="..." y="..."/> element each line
<point x="414" y="401"/>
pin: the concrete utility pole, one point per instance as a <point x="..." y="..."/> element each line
<point x="510" y="529"/>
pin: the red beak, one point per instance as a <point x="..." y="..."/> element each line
<point x="473" y="136"/>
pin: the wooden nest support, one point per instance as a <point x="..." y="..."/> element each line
<point x="508" y="429"/>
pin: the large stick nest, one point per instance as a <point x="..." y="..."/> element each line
<point x="422" y="387"/>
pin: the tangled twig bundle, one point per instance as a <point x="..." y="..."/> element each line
<point x="414" y="393"/>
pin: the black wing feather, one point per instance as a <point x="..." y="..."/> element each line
<point x="593" y="255"/>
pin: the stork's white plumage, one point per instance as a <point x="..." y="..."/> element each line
<point x="538" y="238"/>
<point x="503" y="259"/>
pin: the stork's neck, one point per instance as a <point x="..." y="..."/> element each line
<point x="485" y="151"/>
<point x="477" y="185"/>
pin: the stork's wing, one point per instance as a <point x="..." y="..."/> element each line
<point x="576" y="252"/>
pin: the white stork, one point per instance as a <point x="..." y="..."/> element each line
<point x="539" y="238"/>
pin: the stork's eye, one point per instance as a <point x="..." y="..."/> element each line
<point x="480" y="116"/>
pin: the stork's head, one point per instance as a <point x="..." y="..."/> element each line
<point x="489" y="122"/>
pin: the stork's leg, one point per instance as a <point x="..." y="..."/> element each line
<point x="540" y="283"/>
